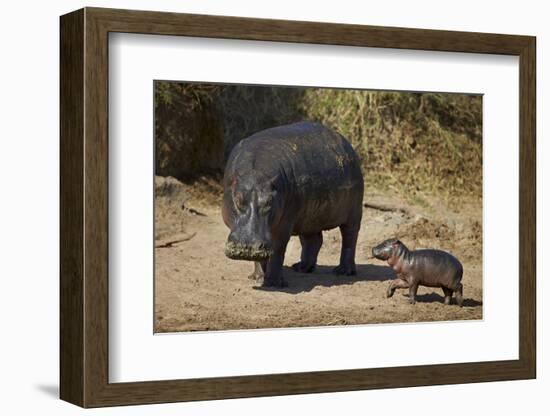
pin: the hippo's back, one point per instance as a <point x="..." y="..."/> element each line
<point x="305" y="152"/>
<point x="437" y="266"/>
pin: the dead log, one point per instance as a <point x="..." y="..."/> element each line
<point x="386" y="208"/>
<point x="171" y="243"/>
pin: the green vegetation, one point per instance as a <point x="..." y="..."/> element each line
<point x="408" y="142"/>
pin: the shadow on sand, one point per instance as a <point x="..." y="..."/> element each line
<point x="435" y="297"/>
<point x="323" y="276"/>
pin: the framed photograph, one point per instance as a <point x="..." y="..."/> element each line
<point x="255" y="207"/>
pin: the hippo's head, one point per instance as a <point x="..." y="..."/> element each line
<point x="257" y="209"/>
<point x="387" y="249"/>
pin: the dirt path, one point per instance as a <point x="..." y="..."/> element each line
<point x="197" y="288"/>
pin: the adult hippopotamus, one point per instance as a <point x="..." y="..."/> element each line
<point x="432" y="268"/>
<point x="296" y="179"/>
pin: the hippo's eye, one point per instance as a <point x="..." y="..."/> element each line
<point x="238" y="197"/>
<point x="265" y="202"/>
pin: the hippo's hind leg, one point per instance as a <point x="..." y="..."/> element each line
<point x="347" y="255"/>
<point x="458" y="294"/>
<point x="259" y="270"/>
<point x="413" y="288"/>
<point x="311" y="244"/>
<point x="448" y="295"/>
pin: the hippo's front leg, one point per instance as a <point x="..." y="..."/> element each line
<point x="273" y="276"/>
<point x="259" y="270"/>
<point x="394" y="284"/>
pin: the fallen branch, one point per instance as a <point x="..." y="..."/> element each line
<point x="193" y="211"/>
<point x="169" y="244"/>
<point x="386" y="208"/>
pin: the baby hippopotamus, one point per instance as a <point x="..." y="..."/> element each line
<point x="432" y="268"/>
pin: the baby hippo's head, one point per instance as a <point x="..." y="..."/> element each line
<point x="387" y="249"/>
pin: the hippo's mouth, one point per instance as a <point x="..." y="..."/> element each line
<point x="237" y="251"/>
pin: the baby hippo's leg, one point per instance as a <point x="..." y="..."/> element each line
<point x="448" y="295"/>
<point x="458" y="294"/>
<point x="413" y="287"/>
<point x="394" y="284"/>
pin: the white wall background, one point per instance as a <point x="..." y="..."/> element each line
<point x="29" y="211"/>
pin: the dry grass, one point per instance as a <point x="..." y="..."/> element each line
<point x="413" y="144"/>
<point x="409" y="142"/>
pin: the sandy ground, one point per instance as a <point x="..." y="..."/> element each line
<point x="197" y="288"/>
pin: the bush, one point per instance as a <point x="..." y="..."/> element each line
<point x="427" y="142"/>
<point x="188" y="130"/>
<point x="407" y="141"/>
